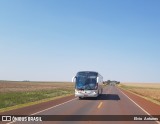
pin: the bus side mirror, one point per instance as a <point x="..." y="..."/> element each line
<point x="73" y="79"/>
<point x="97" y="79"/>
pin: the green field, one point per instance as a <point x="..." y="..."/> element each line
<point x="18" y="94"/>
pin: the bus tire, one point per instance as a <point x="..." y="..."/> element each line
<point x="80" y="98"/>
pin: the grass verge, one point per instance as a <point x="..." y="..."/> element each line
<point x="14" y="100"/>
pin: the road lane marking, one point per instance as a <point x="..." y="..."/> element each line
<point x="100" y="104"/>
<point x="53" y="106"/>
<point x="46" y="109"/>
<point x="138" y="105"/>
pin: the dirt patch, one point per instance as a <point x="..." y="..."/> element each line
<point x="11" y="86"/>
<point x="144" y="85"/>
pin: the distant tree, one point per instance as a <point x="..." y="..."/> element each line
<point x="118" y="82"/>
<point x="108" y="82"/>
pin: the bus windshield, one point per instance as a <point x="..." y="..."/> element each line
<point x="86" y="82"/>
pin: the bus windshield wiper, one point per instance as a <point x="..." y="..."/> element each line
<point x="80" y="88"/>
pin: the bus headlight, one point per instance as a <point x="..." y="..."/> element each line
<point x="76" y="91"/>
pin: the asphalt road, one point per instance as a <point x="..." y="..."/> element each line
<point x="112" y="102"/>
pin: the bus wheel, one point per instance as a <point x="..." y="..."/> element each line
<point x="80" y="98"/>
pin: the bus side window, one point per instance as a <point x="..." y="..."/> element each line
<point x="94" y="81"/>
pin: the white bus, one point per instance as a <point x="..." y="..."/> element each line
<point x="88" y="84"/>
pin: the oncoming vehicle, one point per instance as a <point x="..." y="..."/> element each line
<point x="88" y="84"/>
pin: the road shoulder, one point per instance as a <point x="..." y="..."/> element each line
<point x="149" y="106"/>
<point x="38" y="107"/>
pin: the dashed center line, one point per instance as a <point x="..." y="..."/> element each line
<point x="100" y="104"/>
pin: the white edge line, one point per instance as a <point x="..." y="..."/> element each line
<point x="138" y="105"/>
<point x="53" y="106"/>
<point x="47" y="109"/>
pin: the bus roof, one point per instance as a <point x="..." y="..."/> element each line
<point x="89" y="72"/>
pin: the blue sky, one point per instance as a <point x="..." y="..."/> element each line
<point x="53" y="39"/>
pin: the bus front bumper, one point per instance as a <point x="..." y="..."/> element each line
<point x="85" y="94"/>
